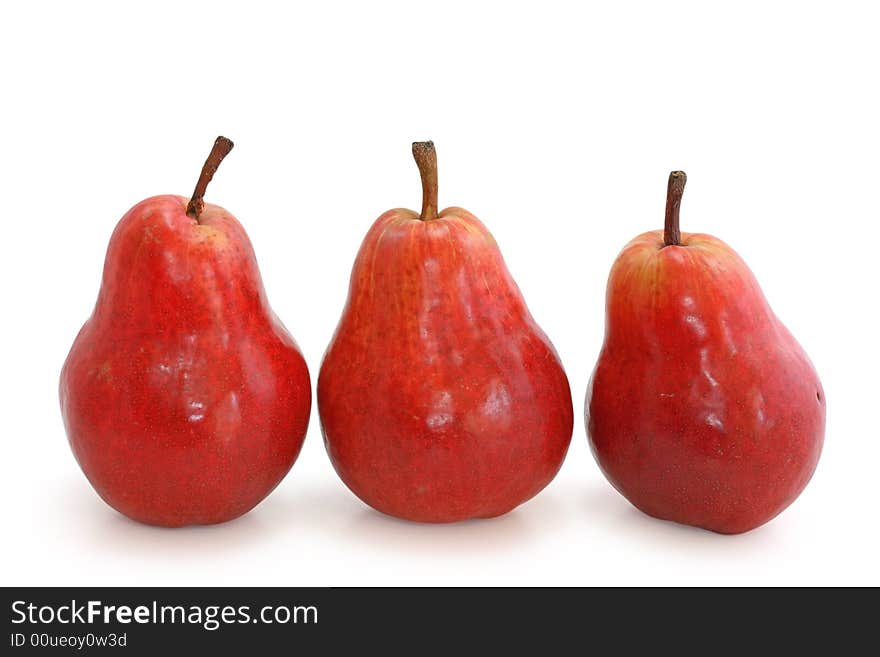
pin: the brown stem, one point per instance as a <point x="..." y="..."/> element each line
<point x="426" y="159"/>
<point x="674" y="190"/>
<point x="221" y="149"/>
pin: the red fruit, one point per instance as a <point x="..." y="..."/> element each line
<point x="185" y="399"/>
<point x="702" y="409"/>
<point x="440" y="397"/>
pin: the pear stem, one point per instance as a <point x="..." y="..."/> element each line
<point x="674" y="190"/>
<point x="426" y="159"/>
<point x="221" y="149"/>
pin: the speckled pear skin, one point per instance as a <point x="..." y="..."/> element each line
<point x="440" y="397"/>
<point x="702" y="409"/>
<point x="185" y="399"/>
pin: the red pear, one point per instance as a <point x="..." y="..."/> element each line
<point x="185" y="399"/>
<point x="440" y="397"/>
<point x="702" y="409"/>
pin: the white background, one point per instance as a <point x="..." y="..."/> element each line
<point x="557" y="125"/>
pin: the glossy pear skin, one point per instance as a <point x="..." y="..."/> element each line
<point x="702" y="409"/>
<point x="440" y="397"/>
<point x="185" y="399"/>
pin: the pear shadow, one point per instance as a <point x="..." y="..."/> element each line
<point x="295" y="512"/>
<point x="513" y="530"/>
<point x="104" y="530"/>
<point x="312" y="509"/>
<point x="295" y="509"/>
<point x="619" y="517"/>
